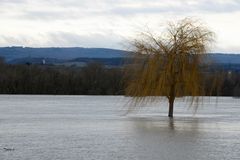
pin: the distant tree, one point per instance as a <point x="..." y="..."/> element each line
<point x="169" y="64"/>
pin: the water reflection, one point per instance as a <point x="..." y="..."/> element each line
<point x="167" y="124"/>
<point x="171" y="124"/>
<point x="161" y="136"/>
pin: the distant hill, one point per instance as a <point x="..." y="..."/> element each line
<point x="225" y="58"/>
<point x="13" y="53"/>
<point x="81" y="56"/>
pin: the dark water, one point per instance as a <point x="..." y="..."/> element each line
<point x="95" y="127"/>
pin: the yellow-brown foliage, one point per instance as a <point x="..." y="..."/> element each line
<point x="169" y="64"/>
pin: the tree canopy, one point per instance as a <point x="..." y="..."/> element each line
<point x="169" y="64"/>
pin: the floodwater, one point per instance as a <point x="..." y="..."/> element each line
<point x="97" y="128"/>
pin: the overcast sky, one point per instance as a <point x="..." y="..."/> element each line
<point x="109" y="23"/>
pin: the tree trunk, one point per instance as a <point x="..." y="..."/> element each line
<point x="171" y="99"/>
<point x="171" y="103"/>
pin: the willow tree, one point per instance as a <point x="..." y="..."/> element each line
<point x="169" y="64"/>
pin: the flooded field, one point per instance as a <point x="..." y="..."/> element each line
<point x="96" y="127"/>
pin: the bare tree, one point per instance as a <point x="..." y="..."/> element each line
<point x="169" y="64"/>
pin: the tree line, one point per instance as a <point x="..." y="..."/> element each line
<point x="93" y="79"/>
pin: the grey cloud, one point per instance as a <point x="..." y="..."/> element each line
<point x="63" y="39"/>
<point x="13" y="1"/>
<point x="203" y="6"/>
<point x="71" y="9"/>
<point x="48" y="15"/>
<point x="115" y="6"/>
<point x="214" y="6"/>
<point x="17" y="40"/>
<point x="144" y="10"/>
<point x="91" y="40"/>
<point x="49" y="10"/>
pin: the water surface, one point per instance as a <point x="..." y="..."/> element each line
<point x="96" y="127"/>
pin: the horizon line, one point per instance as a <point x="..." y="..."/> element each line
<point x="68" y="47"/>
